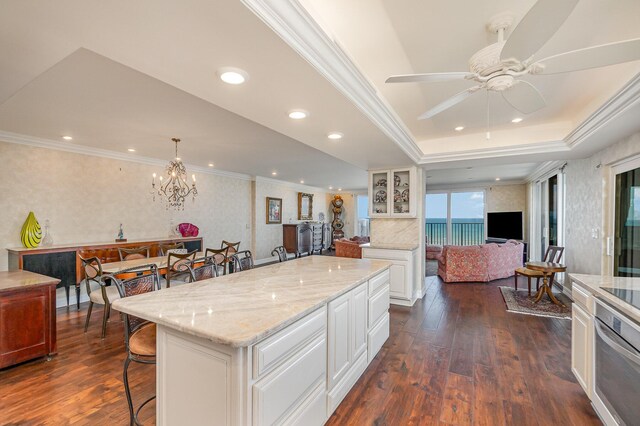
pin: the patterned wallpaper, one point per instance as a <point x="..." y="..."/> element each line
<point x="269" y="236"/>
<point x="86" y="198"/>
<point x="587" y="202"/>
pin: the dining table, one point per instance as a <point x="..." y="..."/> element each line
<point x="160" y="261"/>
<point x="548" y="269"/>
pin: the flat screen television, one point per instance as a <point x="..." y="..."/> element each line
<point x="507" y="225"/>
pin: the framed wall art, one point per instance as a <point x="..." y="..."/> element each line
<point x="305" y="206"/>
<point x="274" y="210"/>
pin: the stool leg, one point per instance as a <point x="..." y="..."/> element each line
<point x="127" y="391"/>
<point x="529" y="284"/>
<point x="515" y="281"/>
<point x="86" y="323"/>
<point x="105" y="317"/>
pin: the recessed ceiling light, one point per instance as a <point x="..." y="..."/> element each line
<point x="339" y="189"/>
<point x="497" y="178"/>
<point x="301" y="181"/>
<point x="131" y="150"/>
<point x="67" y="138"/>
<point x="210" y="164"/>
<point x="274" y="173"/>
<point x="335" y="135"/>
<point x="233" y="75"/>
<point x="331" y="187"/>
<point x="298" y="114"/>
<point x="516" y="120"/>
<point x="459" y="128"/>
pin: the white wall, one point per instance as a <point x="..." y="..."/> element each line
<point x="587" y="203"/>
<point x="86" y="198"/>
<point x="508" y="198"/>
<point x="269" y="236"/>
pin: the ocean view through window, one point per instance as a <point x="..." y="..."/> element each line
<point x="455" y="218"/>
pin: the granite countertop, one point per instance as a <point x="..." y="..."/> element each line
<point x="17" y="279"/>
<point x="595" y="283"/>
<point x="242" y="308"/>
<point x="95" y="244"/>
<point x="391" y="246"/>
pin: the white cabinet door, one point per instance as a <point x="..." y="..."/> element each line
<point x="360" y="302"/>
<point x="581" y="342"/>
<point x="399" y="283"/>
<point x="339" y="336"/>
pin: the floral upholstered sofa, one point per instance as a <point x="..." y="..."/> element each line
<point x="486" y="262"/>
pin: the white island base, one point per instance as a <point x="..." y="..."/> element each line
<point x="297" y="372"/>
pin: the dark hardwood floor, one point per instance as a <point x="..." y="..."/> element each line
<point x="456" y="357"/>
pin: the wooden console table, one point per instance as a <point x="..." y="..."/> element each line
<point x="27" y="316"/>
<point x="63" y="261"/>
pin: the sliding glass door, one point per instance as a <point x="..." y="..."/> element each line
<point x="626" y="254"/>
<point x="455" y="218"/>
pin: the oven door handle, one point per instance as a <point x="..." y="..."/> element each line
<point x="608" y="336"/>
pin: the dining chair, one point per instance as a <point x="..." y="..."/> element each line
<point x="281" y="252"/>
<point x="178" y="268"/>
<point x="241" y="261"/>
<point x="220" y="258"/>
<point x="140" y="335"/>
<point x="133" y="253"/>
<point x="232" y="248"/>
<point x="553" y="255"/>
<point x="99" y="293"/>
<point x="204" y="268"/>
<point x="164" y="248"/>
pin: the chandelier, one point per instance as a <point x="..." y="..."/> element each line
<point x="175" y="188"/>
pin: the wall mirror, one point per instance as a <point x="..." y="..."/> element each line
<point x="305" y="206"/>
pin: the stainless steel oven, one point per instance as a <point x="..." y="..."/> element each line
<point x="616" y="366"/>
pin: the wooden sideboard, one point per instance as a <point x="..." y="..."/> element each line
<point x="306" y="238"/>
<point x="63" y="261"/>
<point x="27" y="316"/>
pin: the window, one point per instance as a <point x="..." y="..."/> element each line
<point x="627" y="224"/>
<point x="455" y="218"/>
<point x="362" y="207"/>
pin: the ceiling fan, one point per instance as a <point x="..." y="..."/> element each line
<point x="498" y="67"/>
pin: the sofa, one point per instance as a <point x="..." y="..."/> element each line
<point x="486" y="262"/>
<point x="350" y="247"/>
<point x="434" y="251"/>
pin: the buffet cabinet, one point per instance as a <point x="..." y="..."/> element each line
<point x="63" y="261"/>
<point x="392" y="193"/>
<point x="306" y="238"/>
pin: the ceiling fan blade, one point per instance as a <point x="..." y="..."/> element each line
<point x="456" y="99"/>
<point x="536" y="28"/>
<point x="593" y="57"/>
<point x="524" y="97"/>
<point x="428" y="77"/>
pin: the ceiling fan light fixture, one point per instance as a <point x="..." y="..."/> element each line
<point x="233" y="76"/>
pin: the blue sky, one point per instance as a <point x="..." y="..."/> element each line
<point x="464" y="205"/>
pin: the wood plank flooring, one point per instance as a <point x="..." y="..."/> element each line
<point x="456" y="357"/>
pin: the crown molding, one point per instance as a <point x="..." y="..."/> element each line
<point x="296" y="186"/>
<point x="104" y="153"/>
<point x="475" y="154"/>
<point x="544" y="169"/>
<point x="616" y="105"/>
<point x="290" y="20"/>
<point x="475" y="186"/>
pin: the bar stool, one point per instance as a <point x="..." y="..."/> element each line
<point x="140" y="335"/>
<point x="242" y="261"/>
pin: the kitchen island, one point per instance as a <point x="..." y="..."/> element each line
<point x="278" y="344"/>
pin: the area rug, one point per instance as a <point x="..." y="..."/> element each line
<point x="520" y="303"/>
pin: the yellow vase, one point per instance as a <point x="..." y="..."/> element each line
<point x="31" y="233"/>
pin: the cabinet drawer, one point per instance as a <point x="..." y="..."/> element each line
<point x="378" y="281"/>
<point x="378" y="305"/>
<point x="279" y="394"/>
<point x="581" y="297"/>
<point x="377" y="336"/>
<point x="275" y="349"/>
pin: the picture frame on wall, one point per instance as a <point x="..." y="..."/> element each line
<point x="305" y="206"/>
<point x="274" y="210"/>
